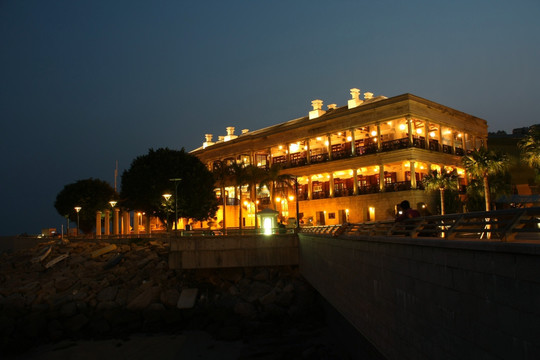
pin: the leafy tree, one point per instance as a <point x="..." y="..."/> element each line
<point x="530" y="149"/>
<point x="148" y="178"/>
<point x="253" y="176"/>
<point x="499" y="184"/>
<point x="441" y="180"/>
<point x="481" y="164"/>
<point x="238" y="178"/>
<point x="222" y="174"/>
<point x="272" y="178"/>
<point x="91" y="195"/>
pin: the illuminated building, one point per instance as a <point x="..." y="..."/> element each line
<point x="353" y="163"/>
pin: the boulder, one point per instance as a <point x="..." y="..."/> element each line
<point x="144" y="299"/>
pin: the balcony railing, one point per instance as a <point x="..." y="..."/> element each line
<point x="319" y="158"/>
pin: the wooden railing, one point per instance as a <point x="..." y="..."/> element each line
<point x="501" y="225"/>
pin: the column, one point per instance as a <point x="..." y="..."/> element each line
<point x="288" y="154"/>
<point x="382" y="188"/>
<point x="98" y="224"/>
<point x="379" y="139"/>
<point x="453" y="143"/>
<point x="309" y="188"/>
<point x="308" y="152"/>
<point x="329" y="147"/>
<point x="464" y="143"/>
<point x="440" y="138"/>
<point x="353" y="147"/>
<point x="410" y="130"/>
<point x="115" y="220"/>
<point x="331" y="181"/>
<point x="125" y="223"/>
<point x="413" y="175"/>
<point x="147" y="224"/>
<point x="252" y="158"/>
<point x="426" y="136"/>
<point x="355" y="182"/>
<point x="107" y="222"/>
<point x="269" y="157"/>
<point x="136" y="223"/>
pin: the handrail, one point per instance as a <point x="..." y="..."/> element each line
<point x="501" y="225"/>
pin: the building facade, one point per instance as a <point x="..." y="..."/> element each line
<point x="352" y="163"/>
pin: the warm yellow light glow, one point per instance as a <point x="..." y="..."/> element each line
<point x="421" y="167"/>
<point x="460" y="171"/>
<point x="280" y="147"/>
<point x="402" y="127"/>
<point x="77" y="209"/>
<point x="256" y="202"/>
<point x="349" y="138"/>
<point x="339" y="173"/>
<point x="375" y="140"/>
<point x="294" y="148"/>
<point x="328" y="176"/>
<point x="407" y="164"/>
<point x="246" y="203"/>
<point x="167" y="196"/>
<point x="278" y="199"/>
<point x="459" y="135"/>
<point x="419" y="131"/>
<point x="291" y="198"/>
<point x="339" y="133"/>
<point x="326" y="143"/>
<point x="432" y="134"/>
<point x="319" y="138"/>
<point x="389" y="123"/>
<point x="363" y="169"/>
<point x="374" y="133"/>
<point x="447" y="131"/>
<point x="113" y="203"/>
<point x="347" y="211"/>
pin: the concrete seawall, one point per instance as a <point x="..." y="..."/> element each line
<point x="233" y="251"/>
<point x="432" y="298"/>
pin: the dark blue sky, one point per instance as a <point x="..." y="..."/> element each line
<point x="86" y="83"/>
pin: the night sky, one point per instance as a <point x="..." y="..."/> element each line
<point x="86" y="83"/>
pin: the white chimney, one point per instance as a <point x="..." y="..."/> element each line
<point x="317" y="109"/>
<point x="368" y="95"/>
<point x="208" y="141"/>
<point x="230" y="134"/>
<point x="332" y="106"/>
<point x="355" y="99"/>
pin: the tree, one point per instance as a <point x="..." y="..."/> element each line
<point x="222" y="175"/>
<point x="481" y="164"/>
<point x="91" y="195"/>
<point x="253" y="176"/>
<point x="530" y="149"/>
<point x="272" y="178"/>
<point x="238" y="177"/>
<point x="499" y="184"/>
<point x="441" y="180"/>
<point x="148" y="178"/>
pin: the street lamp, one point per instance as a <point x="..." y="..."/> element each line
<point x="167" y="198"/>
<point x="77" y="209"/>
<point x="176" y="181"/>
<point x="112" y="203"/>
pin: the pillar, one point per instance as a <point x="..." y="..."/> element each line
<point x="464" y="143"/>
<point x="288" y="155"/>
<point x="353" y="147"/>
<point x="440" y="138"/>
<point x="331" y="181"/>
<point x="136" y="223"/>
<point x="107" y="222"/>
<point x="426" y="136"/>
<point x="308" y="151"/>
<point x="310" y="188"/>
<point x="381" y="178"/>
<point x="147" y="224"/>
<point x="355" y="182"/>
<point x="410" y="130"/>
<point x="413" y="175"/>
<point x="329" y="147"/>
<point x="115" y="220"/>
<point x="379" y="141"/>
<point x="453" y="143"/>
<point x="98" y="223"/>
<point x="125" y="223"/>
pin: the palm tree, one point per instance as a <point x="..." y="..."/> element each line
<point x="238" y="177"/>
<point x="222" y="175"/>
<point x="481" y="164"/>
<point x="273" y="178"/>
<point x="530" y="148"/>
<point x="441" y="180"/>
<point x="253" y="175"/>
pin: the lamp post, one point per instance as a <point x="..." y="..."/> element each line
<point x="77" y="209"/>
<point x="115" y="219"/>
<point x="176" y="181"/>
<point x="167" y="198"/>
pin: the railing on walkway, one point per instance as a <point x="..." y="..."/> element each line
<point x="502" y="225"/>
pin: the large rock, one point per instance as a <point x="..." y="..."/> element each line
<point x="108" y="294"/>
<point x="149" y="296"/>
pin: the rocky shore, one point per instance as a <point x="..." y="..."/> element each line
<point x="99" y="290"/>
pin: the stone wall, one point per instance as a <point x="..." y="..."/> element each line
<point x="432" y="298"/>
<point x="233" y="251"/>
